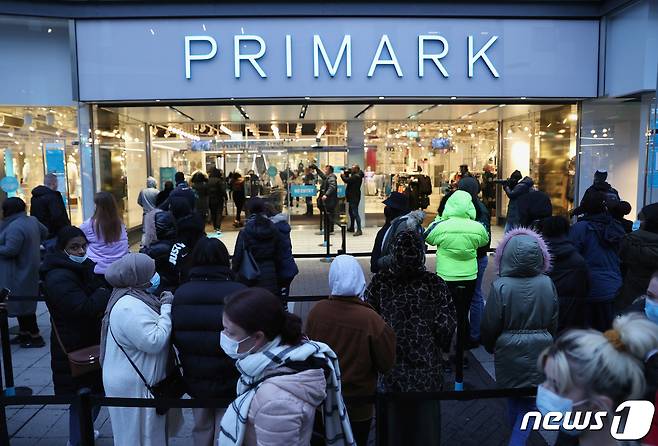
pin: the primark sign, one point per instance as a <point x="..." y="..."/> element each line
<point x="180" y="59"/>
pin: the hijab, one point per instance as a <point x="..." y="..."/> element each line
<point x="408" y="255"/>
<point x="346" y="277"/>
<point x="130" y="275"/>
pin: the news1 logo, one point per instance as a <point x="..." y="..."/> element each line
<point x="630" y="421"/>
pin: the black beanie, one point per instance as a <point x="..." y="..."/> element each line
<point x="11" y="206"/>
<point x="67" y="233"/>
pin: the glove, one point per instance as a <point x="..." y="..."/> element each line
<point x="166" y="298"/>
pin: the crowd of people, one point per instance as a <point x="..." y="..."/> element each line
<point x="573" y="310"/>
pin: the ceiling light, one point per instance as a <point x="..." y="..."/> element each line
<point x="324" y="127"/>
<point x="509" y="131"/>
<point x="525" y="129"/>
<point x="50" y="30"/>
<point x="523" y="97"/>
<point x="381" y="97"/>
<point x="10" y="134"/>
<point x="31" y="128"/>
<point x="275" y="129"/>
<point x="472" y="135"/>
<point x="592" y="131"/>
<point x="561" y="131"/>
<point x="459" y="130"/>
<point x="16" y="142"/>
<point x="226" y="130"/>
<point x="307" y="97"/>
<point x="573" y="117"/>
<point x="453" y="97"/>
<point x="469" y="127"/>
<point x="502" y="105"/>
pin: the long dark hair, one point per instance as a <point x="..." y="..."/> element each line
<point x="210" y="252"/>
<point x="256" y="309"/>
<point x="106" y="219"/>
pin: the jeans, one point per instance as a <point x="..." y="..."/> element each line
<point x="74" y="422"/>
<point x="217" y="214"/>
<point x="477" y="304"/>
<point x="354" y="215"/>
<point x="517" y="408"/>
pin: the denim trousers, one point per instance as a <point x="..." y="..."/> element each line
<point x="477" y="303"/>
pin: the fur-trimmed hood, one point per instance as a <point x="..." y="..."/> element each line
<point x="522" y="253"/>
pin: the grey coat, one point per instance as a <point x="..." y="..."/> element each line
<point x="20" y="256"/>
<point x="521" y="314"/>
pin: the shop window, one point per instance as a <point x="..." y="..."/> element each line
<point x="36" y="141"/>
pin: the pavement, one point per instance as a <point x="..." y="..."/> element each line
<point x="477" y="423"/>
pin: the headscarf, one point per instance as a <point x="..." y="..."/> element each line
<point x="151" y="182"/>
<point x="346" y="277"/>
<point x="67" y="233"/>
<point x="408" y="254"/>
<point x="130" y="275"/>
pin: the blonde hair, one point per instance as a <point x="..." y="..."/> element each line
<point x="609" y="364"/>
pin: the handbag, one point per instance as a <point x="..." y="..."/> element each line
<point x="172" y="386"/>
<point x="249" y="269"/>
<point x="82" y="361"/>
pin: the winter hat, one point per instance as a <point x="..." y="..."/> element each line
<point x="650" y="213"/>
<point x="397" y="200"/>
<point x="516" y="175"/>
<point x="346" y="277"/>
<point x="408" y="254"/>
<point x="65" y="234"/>
<point x="11" y="206"/>
<point x="600" y="176"/>
<point x="470" y="185"/>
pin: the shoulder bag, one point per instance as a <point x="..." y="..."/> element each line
<point x="249" y="269"/>
<point x="172" y="386"/>
<point x="81" y="361"/>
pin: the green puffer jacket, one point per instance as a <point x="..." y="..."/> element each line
<point x="521" y="314"/>
<point x="457" y="236"/>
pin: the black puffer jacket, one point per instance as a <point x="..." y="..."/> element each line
<point x="571" y="278"/>
<point x="76" y="299"/>
<point x="160" y="250"/>
<point x="47" y="206"/>
<point x="261" y="237"/>
<point x="639" y="258"/>
<point x="196" y="317"/>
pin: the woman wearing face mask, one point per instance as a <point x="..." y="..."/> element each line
<point x="591" y="371"/>
<point x="135" y="336"/>
<point x="76" y="299"/>
<point x="285" y="378"/>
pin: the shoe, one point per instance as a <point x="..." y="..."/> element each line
<point x="19" y="339"/>
<point x="472" y="344"/>
<point x="358" y="233"/>
<point x="350" y="229"/>
<point x="33" y="342"/>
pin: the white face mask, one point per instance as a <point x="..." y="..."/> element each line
<point x="231" y="346"/>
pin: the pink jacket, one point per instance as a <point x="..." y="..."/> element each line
<point x="283" y="409"/>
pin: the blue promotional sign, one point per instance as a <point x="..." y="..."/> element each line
<point x="9" y="184"/>
<point x="243" y="57"/>
<point x="55" y="165"/>
<point x="272" y="171"/>
<point x="341" y="190"/>
<point x="166" y="174"/>
<point x="302" y="190"/>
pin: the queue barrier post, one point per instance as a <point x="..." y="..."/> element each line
<point x="85" y="417"/>
<point x="461" y="334"/>
<point x="4" y="430"/>
<point x="6" y="346"/>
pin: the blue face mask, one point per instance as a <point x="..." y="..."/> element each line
<point x="549" y="401"/>
<point x="651" y="310"/>
<point x="636" y="225"/>
<point x="155" y="283"/>
<point x="77" y="259"/>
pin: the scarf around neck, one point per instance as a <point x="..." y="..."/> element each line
<point x="131" y="276"/>
<point x="256" y="366"/>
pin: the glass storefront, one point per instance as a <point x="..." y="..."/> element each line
<point x="36" y="141"/>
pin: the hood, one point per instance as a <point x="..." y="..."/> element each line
<point x="260" y="227"/>
<point x="408" y="254"/>
<point x="528" y="181"/>
<point x="470" y="185"/>
<point x="281" y="222"/>
<point x="522" y="253"/>
<point x="560" y="247"/>
<point x="346" y="277"/>
<point x="165" y="225"/>
<point x="41" y="191"/>
<point x="59" y="260"/>
<point x="608" y="230"/>
<point x="460" y="204"/>
<point x="5" y="222"/>
<point x="151" y="182"/>
<point x="309" y="386"/>
<point x="211" y="272"/>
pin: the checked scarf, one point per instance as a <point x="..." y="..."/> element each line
<point x="256" y="366"/>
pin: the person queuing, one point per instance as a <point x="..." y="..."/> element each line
<point x="284" y="378"/>
<point x="164" y="226"/>
<point x="135" y="339"/>
<point x="533" y="207"/>
<point x="514" y="188"/>
<point x="196" y="316"/>
<point x="353" y="179"/>
<point x="520" y="318"/>
<point x="20" y="254"/>
<point x="597" y="237"/>
<point x="457" y="237"/>
<point x="259" y="240"/>
<point x="239" y="197"/>
<point x="620" y="212"/>
<point x="328" y="196"/>
<point x="217" y="197"/>
<point x="364" y="343"/>
<point x="47" y="205"/>
<point x="587" y="371"/>
<point x="163" y="195"/>
<point x="105" y="233"/>
<point x="200" y="187"/>
<point x="395" y="205"/>
<point x="417" y="305"/>
<point x="76" y="298"/>
<point x="288" y="269"/>
<point x="182" y="191"/>
<point x="308" y="180"/>
<point x="569" y="272"/>
<point x="599" y="187"/>
<point x="639" y="256"/>
<point x="148" y="196"/>
<point x="409" y="221"/>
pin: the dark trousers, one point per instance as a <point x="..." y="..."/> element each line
<point x="465" y="301"/>
<point x="239" y="204"/>
<point x="309" y="206"/>
<point x="353" y="209"/>
<point x="413" y="423"/>
<point x="361" y="431"/>
<point x="28" y="324"/>
<point x="330" y="216"/>
<point x="599" y="315"/>
<point x="217" y="214"/>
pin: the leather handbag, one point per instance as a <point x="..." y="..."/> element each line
<point x="172" y="386"/>
<point x="249" y="269"/>
<point x="82" y="361"/>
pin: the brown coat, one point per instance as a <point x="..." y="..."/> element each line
<point x="363" y="342"/>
